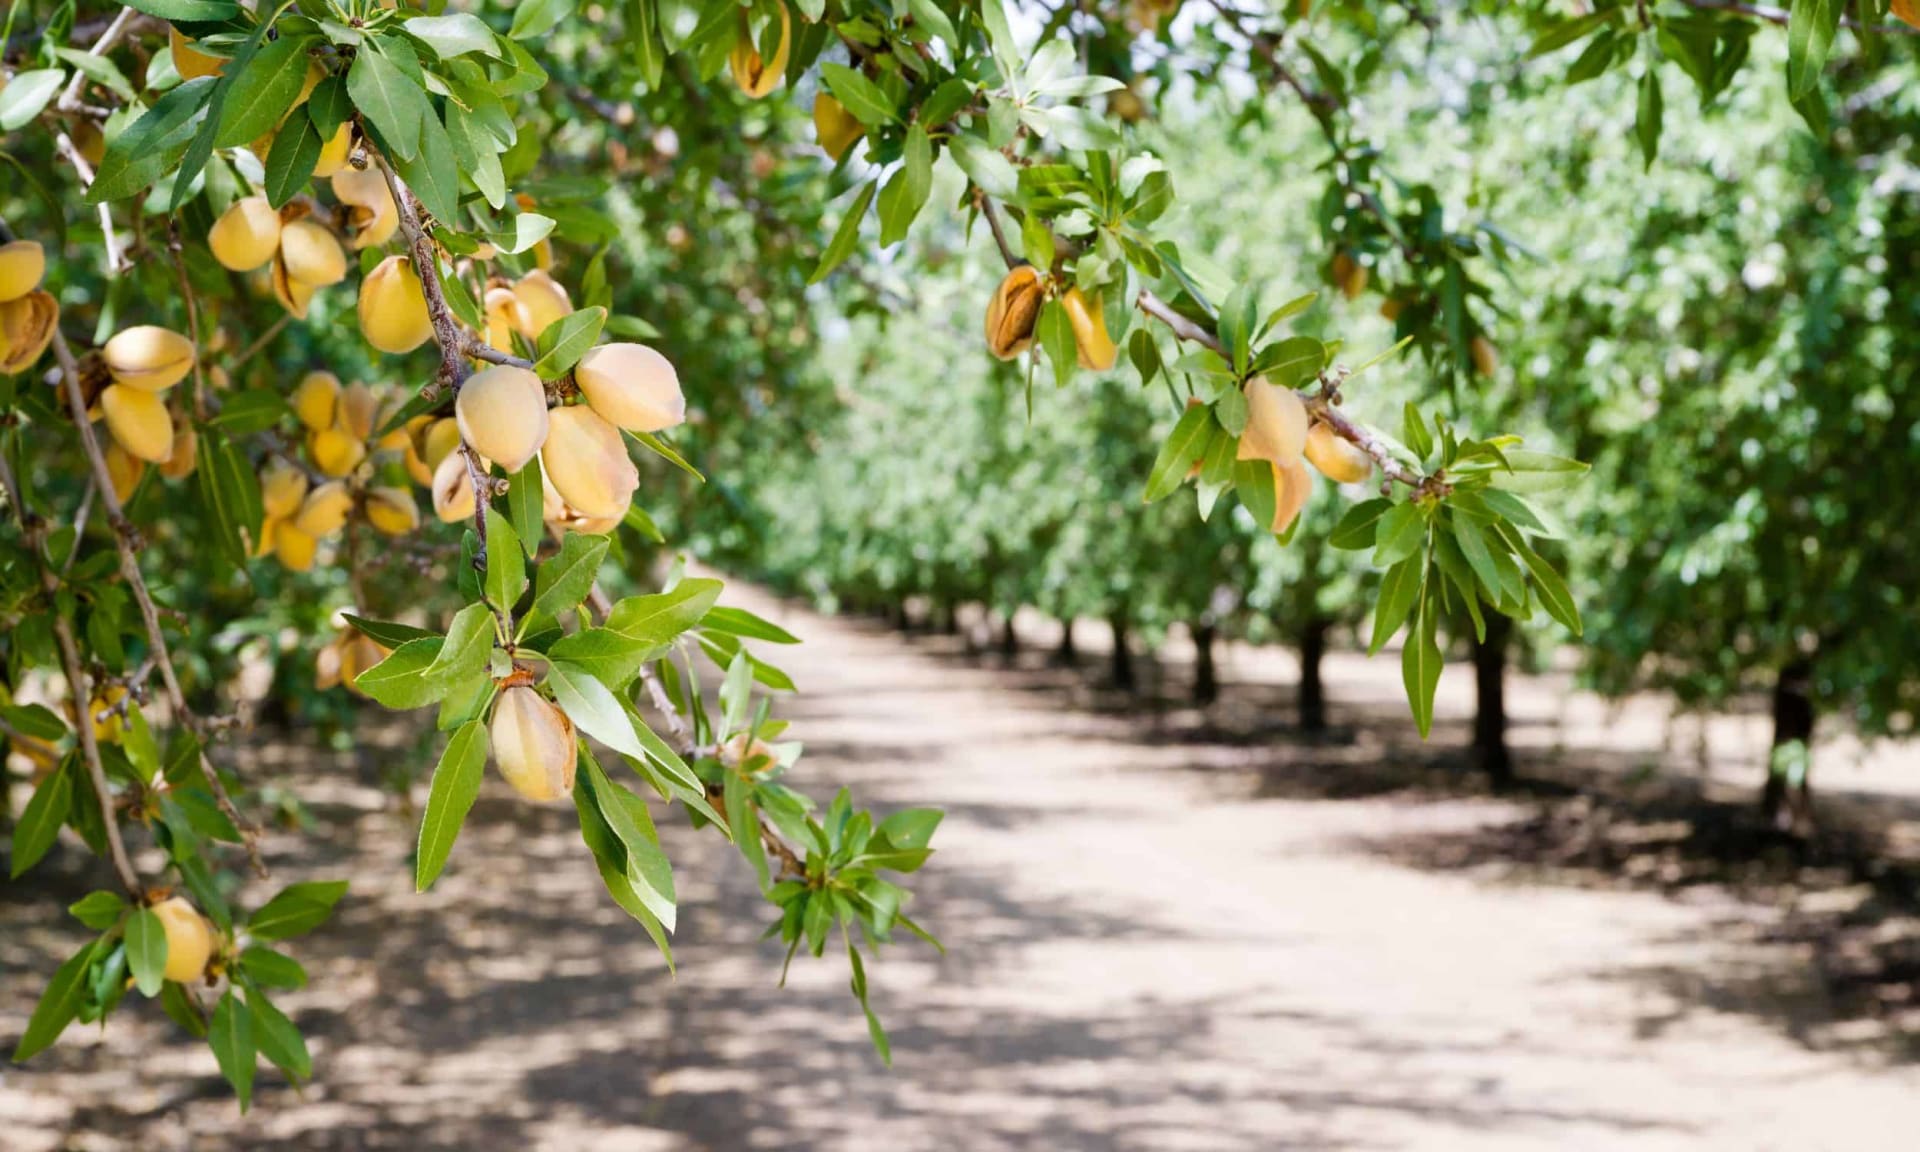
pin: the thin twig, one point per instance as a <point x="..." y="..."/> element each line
<point x="265" y="338"/>
<point x="80" y="690"/>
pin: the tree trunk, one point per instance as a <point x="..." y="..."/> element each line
<point x="897" y="614"/>
<point x="1490" y="714"/>
<point x="1785" y="805"/>
<point x="1122" y="656"/>
<point x="1313" y="692"/>
<point x="1065" y="654"/>
<point x="949" y="616"/>
<point x="1206" y="682"/>
<point x="1009" y="639"/>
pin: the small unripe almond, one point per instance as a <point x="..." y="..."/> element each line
<point x="312" y="254"/>
<point x="632" y="386"/>
<point x="502" y="312"/>
<point x="1012" y="312"/>
<point x="324" y="511"/>
<point x="502" y="412"/>
<point x="26" y="328"/>
<point x="190" y="62"/>
<point x="1349" y="275"/>
<point x="1337" y="460"/>
<point x="1486" y="358"/>
<point x="373" y="215"/>
<point x="295" y="295"/>
<point x="754" y="757"/>
<point x="23" y="263"/>
<point x="1087" y="316"/>
<point x="123" y="470"/>
<point x="357" y="410"/>
<point x="1276" y="423"/>
<point x="139" y="422"/>
<point x="293" y="547"/>
<point x="316" y="400"/>
<point x="1292" y="484"/>
<point x="533" y="744"/>
<point x="393" y="308"/>
<point x="333" y="154"/>
<point x="247" y="234"/>
<point x="392" y="511"/>
<point x="179" y="464"/>
<point x="335" y="453"/>
<point x="189" y="940"/>
<point x="282" y="488"/>
<point x="757" y="76"/>
<point x="452" y="489"/>
<point x="149" y="358"/>
<point x="833" y="126"/>
<point x="538" y="301"/>
<point x="586" y="460"/>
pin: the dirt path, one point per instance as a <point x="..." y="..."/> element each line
<point x="1151" y="949"/>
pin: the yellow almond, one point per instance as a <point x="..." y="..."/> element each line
<point x="393" y="308"/>
<point x="139" y="422"/>
<point x="632" y="387"/>
<point x="247" y="234"/>
<point x="189" y="940"/>
<point x="586" y="460"/>
<point x="533" y="744"/>
<point x="316" y="400"/>
<point x="538" y="302"/>
<point x="312" y="254"/>
<point x="149" y="358"/>
<point x="392" y="511"/>
<point x="23" y="263"/>
<point x="502" y="412"/>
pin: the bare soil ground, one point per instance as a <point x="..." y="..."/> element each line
<point x="1167" y="931"/>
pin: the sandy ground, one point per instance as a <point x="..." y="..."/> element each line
<point x="1166" y="932"/>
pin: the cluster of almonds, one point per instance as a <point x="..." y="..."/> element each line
<point x="348" y="654"/>
<point x="305" y="254"/>
<point x="588" y="476"/>
<point x="1015" y="309"/>
<point x="28" y="314"/>
<point x="144" y="364"/>
<point x="1280" y="431"/>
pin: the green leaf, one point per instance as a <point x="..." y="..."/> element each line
<point x="291" y="160"/>
<point x="1398" y="591"/>
<point x="231" y="1037"/>
<point x="911" y="827"/>
<point x="454" y="34"/>
<point x="181" y="1007"/>
<point x="389" y="99"/>
<point x="859" y="95"/>
<point x="526" y="499"/>
<point x="1554" y="596"/>
<point x="147" y="950"/>
<point x="200" y="148"/>
<point x="434" y="174"/>
<point x="456" y="783"/>
<point x="1565" y="32"/>
<point x="387" y="632"/>
<point x="1473" y="545"/>
<point x="1414" y="428"/>
<point x="1254" y="481"/>
<point x="740" y="622"/>
<point x="1400" y="532"/>
<point x="58" y="1005"/>
<point x="846" y="236"/>
<point x="1420" y="664"/>
<point x="744" y="820"/>
<point x="506" y="563"/>
<point x="400" y="681"/>
<point x="27" y="95"/>
<point x="98" y="910"/>
<point x="566" y="340"/>
<point x="39" y="825"/>
<point x="260" y="94"/>
<point x="661" y="618"/>
<point x="1811" y="28"/>
<point x="610" y="657"/>
<point x="593" y="708"/>
<point x="906" y="192"/>
<point x="470" y="640"/>
<point x="985" y="166"/>
<point x="296" y="910"/>
<point x="153" y="144"/>
<point x="188" y="11"/>
<point x="280" y="1041"/>
<point x="535" y="18"/>
<point x="647" y="867"/>
<point x="875" y="1032"/>
<point x="1185" y="445"/>
<point x="1647" y="115"/>
<point x="1537" y="471"/>
<point x="35" y="720"/>
<point x="1054" y="331"/>
<point x="271" y="969"/>
<point x="1359" y="527"/>
<point x="562" y="582"/>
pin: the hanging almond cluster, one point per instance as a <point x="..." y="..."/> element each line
<point x="144" y="363"/>
<point x="1280" y="431"/>
<point x="1014" y="310"/>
